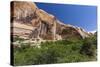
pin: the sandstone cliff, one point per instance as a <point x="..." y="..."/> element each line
<point x="30" y="22"/>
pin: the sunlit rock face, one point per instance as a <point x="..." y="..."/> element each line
<point x="30" y="22"/>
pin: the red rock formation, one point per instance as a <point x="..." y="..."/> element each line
<point x="31" y="22"/>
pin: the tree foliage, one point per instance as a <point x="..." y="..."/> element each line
<point x="61" y="51"/>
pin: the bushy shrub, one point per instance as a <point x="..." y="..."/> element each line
<point x="17" y="38"/>
<point x="60" y="51"/>
<point x="88" y="47"/>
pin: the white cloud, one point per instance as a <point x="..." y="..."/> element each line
<point x="92" y="31"/>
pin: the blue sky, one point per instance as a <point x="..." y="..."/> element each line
<point x="77" y="15"/>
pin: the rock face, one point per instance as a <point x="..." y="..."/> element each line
<point x="30" y="22"/>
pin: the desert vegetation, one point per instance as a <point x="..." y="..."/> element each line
<point x="62" y="51"/>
